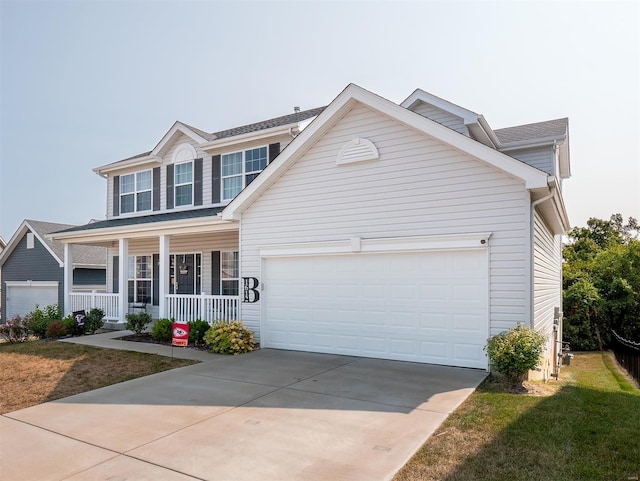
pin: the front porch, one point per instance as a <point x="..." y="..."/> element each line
<point x="181" y="307"/>
<point x="185" y="269"/>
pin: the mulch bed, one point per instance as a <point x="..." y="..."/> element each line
<point x="146" y="337"/>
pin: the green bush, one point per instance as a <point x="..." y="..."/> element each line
<point x="515" y="352"/>
<point x="229" y="338"/>
<point x="55" y="329"/>
<point x="94" y="321"/>
<point x="197" y="330"/>
<point x="162" y="330"/>
<point x="137" y="322"/>
<point x="15" y="330"/>
<point x="70" y="326"/>
<point x="38" y="319"/>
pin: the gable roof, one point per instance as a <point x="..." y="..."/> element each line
<point x="550" y="129"/>
<point x="82" y="255"/>
<point x="202" y="137"/>
<point x="343" y="103"/>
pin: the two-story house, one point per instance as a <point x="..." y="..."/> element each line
<point x="410" y="232"/>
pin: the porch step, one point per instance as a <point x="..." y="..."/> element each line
<point x="114" y="325"/>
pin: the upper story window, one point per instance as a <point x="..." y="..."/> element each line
<point x="135" y="192"/>
<point x="183" y="184"/>
<point x="240" y="168"/>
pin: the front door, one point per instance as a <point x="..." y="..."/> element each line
<point x="183" y="273"/>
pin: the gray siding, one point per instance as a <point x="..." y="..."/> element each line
<point x="35" y="264"/>
<point x="442" y="117"/>
<point x="540" y="157"/>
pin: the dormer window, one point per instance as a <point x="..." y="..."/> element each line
<point x="135" y="192"/>
<point x="240" y="168"/>
<point x="184" y="184"/>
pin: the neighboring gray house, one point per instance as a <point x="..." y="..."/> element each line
<point x="32" y="267"/>
<point x="409" y="231"/>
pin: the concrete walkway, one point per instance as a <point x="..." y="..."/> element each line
<point x="268" y="415"/>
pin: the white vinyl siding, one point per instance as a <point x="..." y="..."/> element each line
<point x="547" y="275"/>
<point x="418" y="187"/>
<point x="442" y="117"/>
<point x="541" y="158"/>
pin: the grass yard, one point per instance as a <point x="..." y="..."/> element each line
<point x="587" y="428"/>
<point x="40" y="371"/>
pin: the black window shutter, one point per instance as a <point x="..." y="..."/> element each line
<point x="156" y="188"/>
<point x="116" y="195"/>
<point x="156" y="279"/>
<point x="116" y="274"/>
<point x="274" y="150"/>
<point x="170" y="186"/>
<point x="215" y="180"/>
<point x="197" y="182"/>
<point x="215" y="273"/>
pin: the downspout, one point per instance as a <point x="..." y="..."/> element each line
<point x="532" y="256"/>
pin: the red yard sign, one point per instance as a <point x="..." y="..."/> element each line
<point x="180" y="336"/>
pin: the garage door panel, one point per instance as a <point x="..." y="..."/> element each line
<point x="424" y="307"/>
<point x="23" y="299"/>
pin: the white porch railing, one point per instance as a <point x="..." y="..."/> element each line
<point x="185" y="308"/>
<point x="102" y="300"/>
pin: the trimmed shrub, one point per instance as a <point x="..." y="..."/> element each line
<point x="137" y="322"/>
<point x="197" y="330"/>
<point x="15" y="330"/>
<point x="70" y="326"/>
<point x="229" y="338"/>
<point x="515" y="352"/>
<point x="161" y="330"/>
<point x="38" y="319"/>
<point x="55" y="329"/>
<point x="94" y="321"/>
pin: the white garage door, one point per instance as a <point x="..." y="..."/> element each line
<point x="429" y="307"/>
<point x="23" y="298"/>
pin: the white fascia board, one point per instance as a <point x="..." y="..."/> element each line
<point x="378" y="245"/>
<point x="32" y="283"/>
<point x="15" y="238"/>
<point x="198" y="225"/>
<point x="420" y="95"/>
<point x="532" y="177"/>
<point x="248" y="137"/>
<point x="124" y="164"/>
<point x="89" y="266"/>
<point x="527" y="144"/>
<point x="177" y="126"/>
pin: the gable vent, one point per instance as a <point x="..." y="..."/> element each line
<point x="357" y="150"/>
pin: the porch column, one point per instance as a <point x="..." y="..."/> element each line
<point x="67" y="279"/>
<point x="163" y="277"/>
<point x="123" y="285"/>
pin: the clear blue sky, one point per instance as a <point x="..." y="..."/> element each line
<point x="86" y="83"/>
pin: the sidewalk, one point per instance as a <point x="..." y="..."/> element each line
<point x="108" y="340"/>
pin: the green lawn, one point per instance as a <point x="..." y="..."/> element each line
<point x="588" y="429"/>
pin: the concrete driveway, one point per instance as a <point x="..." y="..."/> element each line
<point x="268" y="415"/>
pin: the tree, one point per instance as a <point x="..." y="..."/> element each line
<point x="601" y="282"/>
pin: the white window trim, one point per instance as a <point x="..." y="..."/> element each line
<point x="237" y="279"/>
<point x="136" y="192"/>
<point x="136" y="279"/>
<point x="244" y="174"/>
<point x="380" y="244"/>
<point x="176" y="185"/>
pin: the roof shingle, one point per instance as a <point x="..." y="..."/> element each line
<point x="538" y="130"/>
